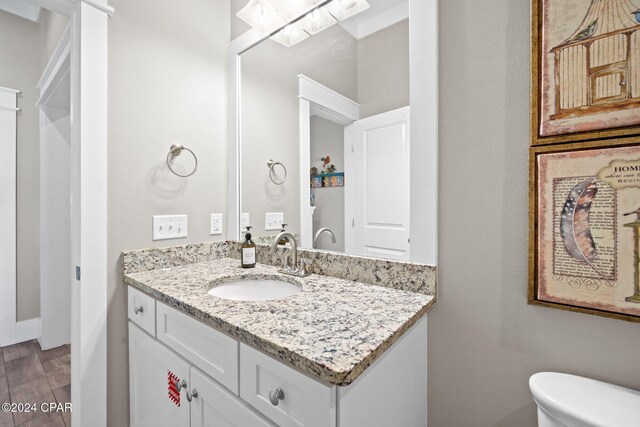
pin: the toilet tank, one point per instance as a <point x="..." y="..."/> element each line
<point x="575" y="401"/>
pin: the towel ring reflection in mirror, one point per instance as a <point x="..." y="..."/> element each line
<point x="277" y="180"/>
<point x="175" y="151"/>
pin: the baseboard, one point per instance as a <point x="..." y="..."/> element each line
<point x="27" y="330"/>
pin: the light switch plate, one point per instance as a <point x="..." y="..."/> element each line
<point x="167" y="227"/>
<point x="273" y="221"/>
<point x="245" y="221"/>
<point x="216" y="224"/>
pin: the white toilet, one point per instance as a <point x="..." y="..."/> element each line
<point x="572" y="401"/>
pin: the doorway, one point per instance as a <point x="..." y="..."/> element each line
<point x="83" y="128"/>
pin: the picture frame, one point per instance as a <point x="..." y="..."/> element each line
<point x="585" y="70"/>
<point x="583" y="253"/>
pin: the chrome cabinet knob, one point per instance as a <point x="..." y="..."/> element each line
<point x="180" y="385"/>
<point x="192" y="394"/>
<point x="138" y="310"/>
<point x="623" y="83"/>
<point x="276" y="396"/>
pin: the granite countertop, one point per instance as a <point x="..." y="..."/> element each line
<point x="334" y="329"/>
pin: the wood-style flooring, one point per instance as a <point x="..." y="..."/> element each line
<point x="30" y="375"/>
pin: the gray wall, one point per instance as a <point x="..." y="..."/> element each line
<point x="23" y="56"/>
<point x="167" y="83"/>
<point x="383" y="70"/>
<point x="20" y="69"/>
<point x="52" y="27"/>
<point x="327" y="139"/>
<point x="484" y="340"/>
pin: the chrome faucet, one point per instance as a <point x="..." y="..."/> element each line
<point x="293" y="270"/>
<point x="320" y="232"/>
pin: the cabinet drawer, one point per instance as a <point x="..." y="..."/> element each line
<point x="215" y="406"/>
<point x="306" y="401"/>
<point x="213" y="352"/>
<point x="142" y="310"/>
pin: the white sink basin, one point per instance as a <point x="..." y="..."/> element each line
<point x="254" y="290"/>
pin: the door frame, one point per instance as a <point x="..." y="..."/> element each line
<point x="58" y="69"/>
<point x="89" y="79"/>
<point x="317" y="100"/>
<point x="9" y="326"/>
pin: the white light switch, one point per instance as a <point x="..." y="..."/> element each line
<point x="167" y="227"/>
<point x="273" y="221"/>
<point x="216" y="224"/>
<point x="245" y="221"/>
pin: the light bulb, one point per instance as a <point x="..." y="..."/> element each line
<point x="343" y="9"/>
<point x="290" y="35"/>
<point x="316" y="21"/>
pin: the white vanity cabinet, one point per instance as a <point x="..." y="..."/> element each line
<point x="150" y="363"/>
<point x="227" y="383"/>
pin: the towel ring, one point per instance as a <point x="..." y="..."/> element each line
<point x="175" y="151"/>
<point x="271" y="164"/>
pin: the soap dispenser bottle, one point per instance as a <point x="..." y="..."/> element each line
<point x="248" y="251"/>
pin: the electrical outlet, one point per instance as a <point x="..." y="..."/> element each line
<point x="167" y="227"/>
<point x="245" y="221"/>
<point x="273" y="221"/>
<point x="216" y="224"/>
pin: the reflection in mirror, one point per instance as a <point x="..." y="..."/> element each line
<point x="334" y="110"/>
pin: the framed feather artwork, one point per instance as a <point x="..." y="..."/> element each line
<point x="585" y="70"/>
<point x="584" y="227"/>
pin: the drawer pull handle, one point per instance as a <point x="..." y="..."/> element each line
<point x="180" y="385"/>
<point x="138" y="310"/>
<point x="276" y="396"/>
<point x="192" y="394"/>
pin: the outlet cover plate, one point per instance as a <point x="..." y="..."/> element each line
<point x="273" y="221"/>
<point x="166" y="227"/>
<point x="216" y="224"/>
<point x="245" y="221"/>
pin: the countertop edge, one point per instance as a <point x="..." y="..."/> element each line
<point x="301" y="363"/>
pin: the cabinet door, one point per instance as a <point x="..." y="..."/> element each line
<point x="151" y="366"/>
<point x="215" y="407"/>
<point x="305" y="402"/>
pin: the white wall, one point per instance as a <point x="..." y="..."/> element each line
<point x="484" y="340"/>
<point x="327" y="139"/>
<point x="167" y="83"/>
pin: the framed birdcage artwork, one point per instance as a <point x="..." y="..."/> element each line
<point x="584" y="227"/>
<point x="585" y="70"/>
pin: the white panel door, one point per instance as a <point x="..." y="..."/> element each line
<point x="150" y="367"/>
<point x="215" y="407"/>
<point x="8" y="102"/>
<point x="377" y="176"/>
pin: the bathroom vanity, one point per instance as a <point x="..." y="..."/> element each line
<point x="338" y="352"/>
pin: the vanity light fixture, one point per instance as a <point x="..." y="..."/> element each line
<point x="344" y="9"/>
<point x="317" y="20"/>
<point x="290" y="35"/>
<point x="262" y="16"/>
<point x="266" y="16"/>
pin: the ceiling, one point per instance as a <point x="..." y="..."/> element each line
<point x="381" y="14"/>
